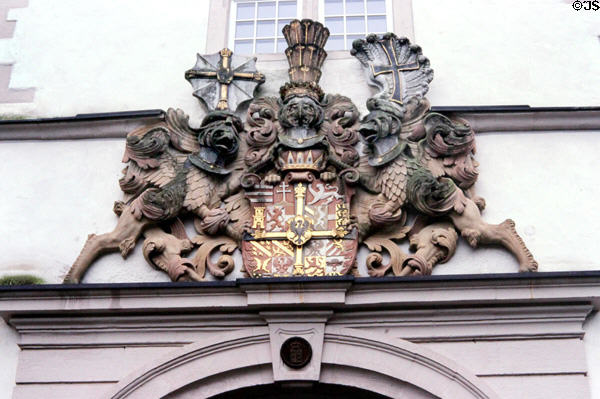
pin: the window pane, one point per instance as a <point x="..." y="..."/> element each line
<point x="377" y="24"/>
<point x="334" y="7"/>
<point x="244" y="29"/>
<point x="243" y="47"/>
<point x="355" y="7"/>
<point x="350" y="39"/>
<point x="335" y="43"/>
<point x="266" y="10"/>
<point x="245" y="11"/>
<point x="280" y="25"/>
<point x="265" y="28"/>
<point x="265" y="46"/>
<point x="335" y="25"/>
<point x="355" y="25"/>
<point x="287" y="9"/>
<point x="281" y="45"/>
<point x="376" y="6"/>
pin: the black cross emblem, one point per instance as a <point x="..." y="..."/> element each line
<point x="394" y="68"/>
<point x="224" y="75"/>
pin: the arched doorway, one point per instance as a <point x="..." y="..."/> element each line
<point x="353" y="362"/>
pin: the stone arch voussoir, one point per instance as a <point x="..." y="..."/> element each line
<point x="351" y="357"/>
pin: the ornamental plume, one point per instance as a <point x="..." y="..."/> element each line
<point x="305" y="54"/>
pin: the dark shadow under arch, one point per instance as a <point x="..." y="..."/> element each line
<point x="300" y="391"/>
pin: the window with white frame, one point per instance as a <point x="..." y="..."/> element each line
<point x="349" y="20"/>
<point x="256" y="24"/>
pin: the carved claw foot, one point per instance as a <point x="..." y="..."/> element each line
<point x="118" y="207"/>
<point x="480" y="202"/>
<point x="526" y="261"/>
<point x="214" y="221"/>
<point x="328" y="177"/>
<point x="472" y="236"/>
<point x="126" y="246"/>
<point x="529" y="266"/>
<point x="272" y="179"/>
<point x="382" y="214"/>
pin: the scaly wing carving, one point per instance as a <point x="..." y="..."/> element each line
<point x="449" y="148"/>
<point x="183" y="138"/>
<point x="152" y="163"/>
<point x="157" y="153"/>
<point x="392" y="180"/>
<point x="136" y="177"/>
<point x="200" y="187"/>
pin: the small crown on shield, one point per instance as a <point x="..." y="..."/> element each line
<point x="302" y="160"/>
<point x="305" y="54"/>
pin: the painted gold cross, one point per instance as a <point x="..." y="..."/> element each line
<point x="300" y="228"/>
<point x="224" y="74"/>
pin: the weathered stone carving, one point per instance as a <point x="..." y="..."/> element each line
<point x="421" y="160"/>
<point x="302" y="162"/>
<point x="303" y="181"/>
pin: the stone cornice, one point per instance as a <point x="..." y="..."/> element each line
<point x="482" y="119"/>
<point x="541" y="289"/>
<point x="543" y="120"/>
<point x="85" y="126"/>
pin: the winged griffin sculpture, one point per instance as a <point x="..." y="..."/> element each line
<point x="304" y="181"/>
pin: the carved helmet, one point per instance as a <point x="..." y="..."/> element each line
<point x="301" y="113"/>
<point x="219" y="141"/>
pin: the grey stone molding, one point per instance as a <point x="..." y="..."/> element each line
<point x="85" y="126"/>
<point x="223" y="357"/>
<point x="547" y="289"/>
<point x="542" y="120"/>
<point x="482" y="119"/>
<point x="471" y="335"/>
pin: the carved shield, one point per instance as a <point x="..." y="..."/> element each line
<point x="300" y="229"/>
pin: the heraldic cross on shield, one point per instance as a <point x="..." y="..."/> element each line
<point x="299" y="229"/>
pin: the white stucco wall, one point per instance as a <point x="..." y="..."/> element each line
<point x="99" y="56"/>
<point x="537" y="52"/>
<point x="60" y="191"/>
<point x="102" y="56"/>
<point x="54" y="205"/>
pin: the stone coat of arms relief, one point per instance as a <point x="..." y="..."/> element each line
<point x="304" y="180"/>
